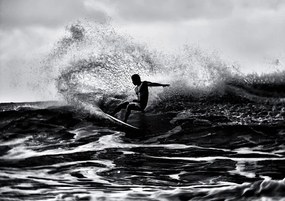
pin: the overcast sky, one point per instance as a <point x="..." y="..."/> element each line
<point x="250" y="32"/>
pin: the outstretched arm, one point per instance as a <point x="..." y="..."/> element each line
<point x="153" y="84"/>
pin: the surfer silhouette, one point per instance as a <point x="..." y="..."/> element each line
<point x="142" y="94"/>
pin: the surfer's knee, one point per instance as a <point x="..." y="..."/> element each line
<point x="124" y="105"/>
<point x="130" y="106"/>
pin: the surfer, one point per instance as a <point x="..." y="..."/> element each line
<point x="142" y="94"/>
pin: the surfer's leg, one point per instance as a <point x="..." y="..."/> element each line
<point x="131" y="107"/>
<point x="121" y="106"/>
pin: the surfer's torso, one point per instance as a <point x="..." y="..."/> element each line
<point x="142" y="93"/>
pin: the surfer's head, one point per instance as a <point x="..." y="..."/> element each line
<point x="136" y="79"/>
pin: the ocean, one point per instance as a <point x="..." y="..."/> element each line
<point x="214" y="134"/>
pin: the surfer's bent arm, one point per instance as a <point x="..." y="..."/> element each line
<point x="153" y="84"/>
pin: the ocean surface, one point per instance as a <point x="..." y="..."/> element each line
<point x="205" y="151"/>
<point x="214" y="134"/>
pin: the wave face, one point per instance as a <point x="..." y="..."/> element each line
<point x="51" y="151"/>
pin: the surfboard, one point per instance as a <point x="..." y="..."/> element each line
<point x="98" y="111"/>
<point x="118" y="121"/>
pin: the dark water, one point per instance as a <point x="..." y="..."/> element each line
<point x="214" y="134"/>
<point x="224" y="151"/>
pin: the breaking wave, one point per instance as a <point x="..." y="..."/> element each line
<point x="94" y="65"/>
